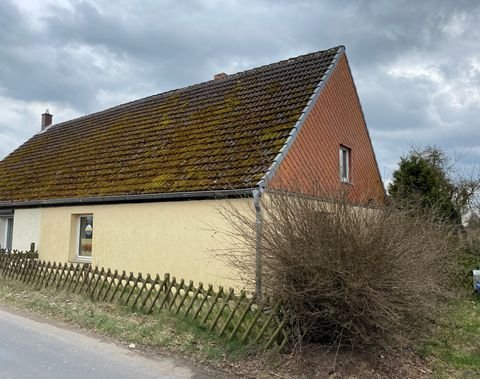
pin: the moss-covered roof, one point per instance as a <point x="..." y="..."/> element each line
<point x="221" y="134"/>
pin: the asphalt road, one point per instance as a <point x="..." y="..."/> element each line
<point x="33" y="349"/>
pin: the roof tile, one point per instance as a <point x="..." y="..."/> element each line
<point x="221" y="134"/>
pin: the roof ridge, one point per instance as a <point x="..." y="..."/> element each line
<point x="193" y="86"/>
<point x="210" y="136"/>
<point x="259" y="68"/>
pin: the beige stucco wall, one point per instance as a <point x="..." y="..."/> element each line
<point x="180" y="238"/>
<point x="26" y="228"/>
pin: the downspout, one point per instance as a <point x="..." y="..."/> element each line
<point x="262" y="184"/>
<point x="257" y="201"/>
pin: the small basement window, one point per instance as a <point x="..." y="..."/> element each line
<point x="345" y="159"/>
<point x="85" y="237"/>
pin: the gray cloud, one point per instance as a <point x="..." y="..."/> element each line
<point x="416" y="64"/>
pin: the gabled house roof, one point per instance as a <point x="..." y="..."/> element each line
<point x="221" y="135"/>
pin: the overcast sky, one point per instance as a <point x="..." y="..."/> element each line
<point x="416" y="64"/>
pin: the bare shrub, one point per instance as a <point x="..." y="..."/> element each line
<point x="363" y="277"/>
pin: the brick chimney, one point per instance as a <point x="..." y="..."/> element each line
<point x="46" y="120"/>
<point x="220" y="76"/>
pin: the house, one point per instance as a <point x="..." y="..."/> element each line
<point x="138" y="186"/>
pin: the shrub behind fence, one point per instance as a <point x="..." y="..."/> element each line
<point x="229" y="314"/>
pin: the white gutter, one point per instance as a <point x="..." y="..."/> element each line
<point x="169" y="196"/>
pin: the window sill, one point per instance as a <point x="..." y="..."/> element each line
<point x="81" y="260"/>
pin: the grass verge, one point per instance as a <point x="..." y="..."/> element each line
<point x="159" y="332"/>
<point x="453" y="352"/>
<point x="455" y="347"/>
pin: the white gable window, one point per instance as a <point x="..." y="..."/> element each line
<point x="345" y="159"/>
<point x="85" y="237"/>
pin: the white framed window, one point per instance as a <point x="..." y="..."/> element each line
<point x="345" y="160"/>
<point x="6" y="232"/>
<point x="84" y="237"/>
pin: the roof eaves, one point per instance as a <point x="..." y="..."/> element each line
<point x="301" y="120"/>
<point x="169" y="196"/>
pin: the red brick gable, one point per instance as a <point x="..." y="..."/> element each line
<point x="311" y="165"/>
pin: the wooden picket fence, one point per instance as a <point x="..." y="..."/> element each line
<point x="464" y="278"/>
<point x="221" y="311"/>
